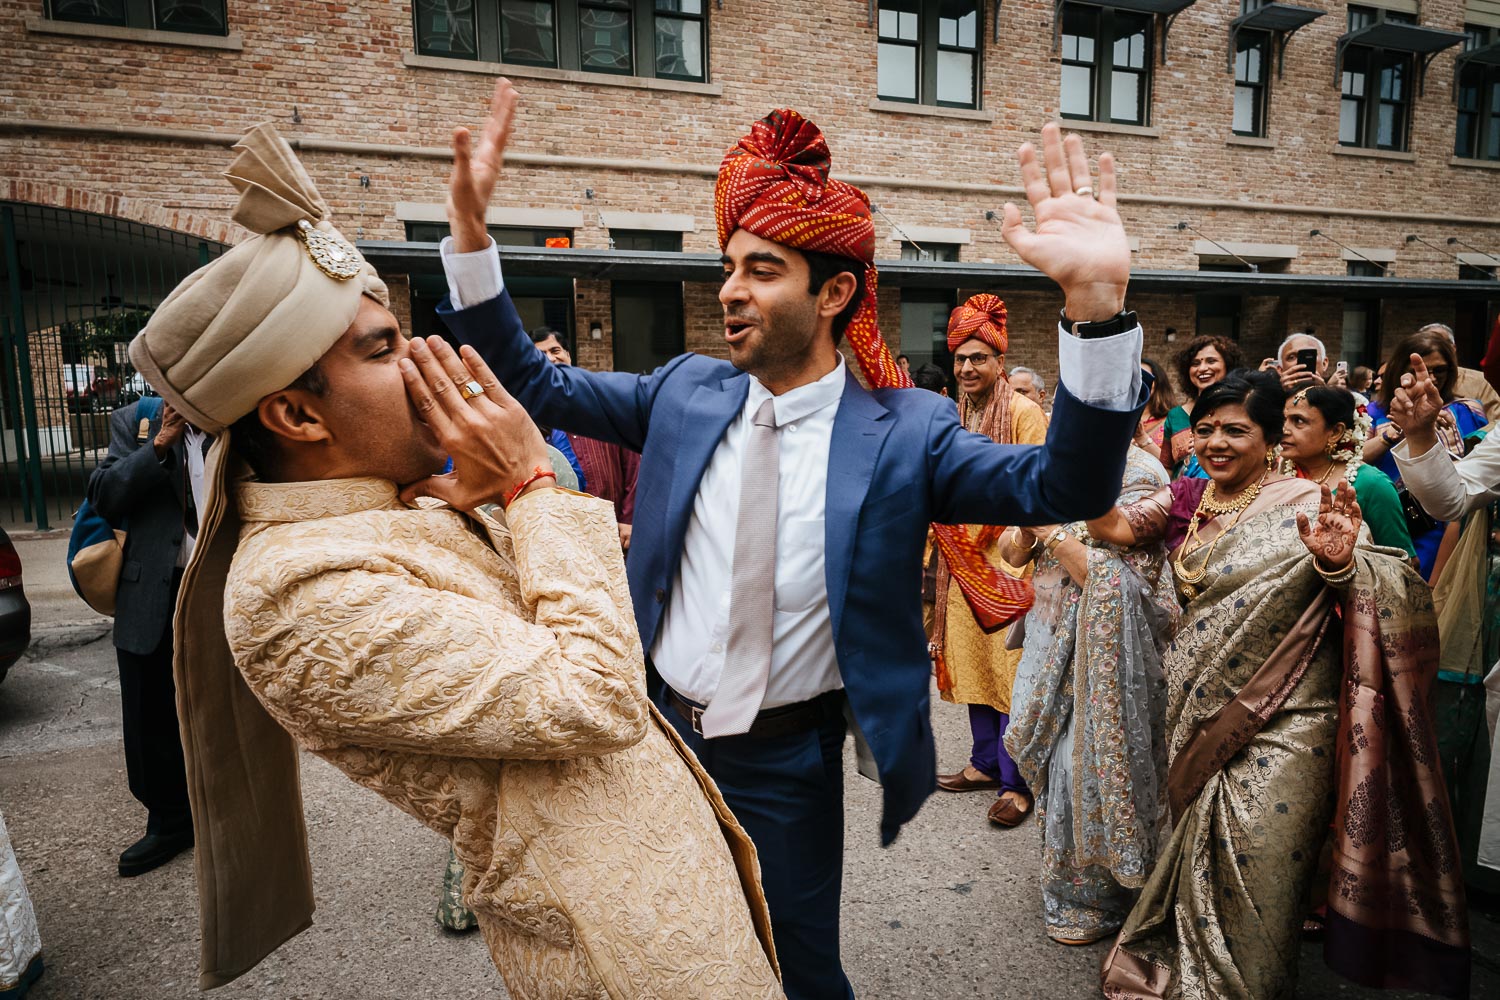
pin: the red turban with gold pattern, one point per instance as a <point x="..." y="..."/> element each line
<point x="774" y="184"/>
<point x="981" y="317"/>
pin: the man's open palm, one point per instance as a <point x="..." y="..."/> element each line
<point x="1079" y="240"/>
<point x="477" y="169"/>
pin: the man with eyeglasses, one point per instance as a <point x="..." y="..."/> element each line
<point x="973" y="668"/>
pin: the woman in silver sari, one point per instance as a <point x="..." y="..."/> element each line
<point x="1297" y="694"/>
<point x="1086" y="722"/>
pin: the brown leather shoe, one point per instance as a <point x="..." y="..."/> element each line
<point x="960" y="781"/>
<point x="1010" y="809"/>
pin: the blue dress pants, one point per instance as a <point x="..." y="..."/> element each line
<point x="788" y="794"/>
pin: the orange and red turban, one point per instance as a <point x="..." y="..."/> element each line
<point x="982" y="317"/>
<point x="774" y="184"/>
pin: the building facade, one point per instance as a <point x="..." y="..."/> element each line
<point x="1328" y="167"/>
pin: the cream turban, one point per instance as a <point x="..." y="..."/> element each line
<point x="250" y="322"/>
<point x="234" y="331"/>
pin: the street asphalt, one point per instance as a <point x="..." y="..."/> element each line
<point x="951" y="910"/>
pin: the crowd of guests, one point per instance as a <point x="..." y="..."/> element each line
<point x="1246" y="696"/>
<point x="1250" y="702"/>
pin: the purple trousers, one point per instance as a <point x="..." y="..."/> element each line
<point x="989" y="757"/>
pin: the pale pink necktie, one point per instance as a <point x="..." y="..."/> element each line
<point x="752" y="589"/>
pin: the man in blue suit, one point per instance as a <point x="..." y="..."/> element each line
<point x="776" y="562"/>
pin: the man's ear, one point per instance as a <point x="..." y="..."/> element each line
<point x="292" y="414"/>
<point x="835" y="294"/>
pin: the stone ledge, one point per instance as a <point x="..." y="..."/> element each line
<point x="1375" y="154"/>
<point x="414" y="61"/>
<point x="47" y="26"/>
<point x="1464" y="161"/>
<point x="1253" y="141"/>
<point x="931" y="111"/>
<point x="1083" y="125"/>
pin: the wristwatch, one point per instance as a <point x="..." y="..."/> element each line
<point x="1055" y="539"/>
<point x="1114" y="326"/>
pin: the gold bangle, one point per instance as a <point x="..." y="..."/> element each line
<point x="1336" y="578"/>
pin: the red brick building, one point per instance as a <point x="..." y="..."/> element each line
<point x="1349" y="153"/>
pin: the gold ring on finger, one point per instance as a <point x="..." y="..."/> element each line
<point x="470" y="389"/>
<point x="1084" y="191"/>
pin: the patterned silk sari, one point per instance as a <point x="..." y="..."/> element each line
<point x="1086" y="726"/>
<point x="1282" y="717"/>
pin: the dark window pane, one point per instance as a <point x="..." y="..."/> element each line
<point x="955" y="82"/>
<point x="679" y="48"/>
<point x="648" y="324"/>
<point x="1080" y="28"/>
<point x="646" y="239"/>
<point x="202" y="16"/>
<point x="1249" y="60"/>
<point x="958" y="23"/>
<point x="528" y="33"/>
<point x="898" y="19"/>
<point x="90" y="11"/>
<point x="1361" y="17"/>
<point x="526" y="236"/>
<point x="604" y="40"/>
<point x="446" y="28"/>
<point x="896" y="71"/>
<point x="1132" y="33"/>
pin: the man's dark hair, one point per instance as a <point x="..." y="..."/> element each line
<point x="541" y="333"/>
<point x="932" y="378"/>
<point x="1260" y="393"/>
<point x="900" y="356"/>
<point x="255" y="442"/>
<point x="823" y="266"/>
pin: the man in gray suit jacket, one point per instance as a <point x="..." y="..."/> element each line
<point x="145" y="481"/>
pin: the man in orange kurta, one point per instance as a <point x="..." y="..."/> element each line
<point x="973" y="668"/>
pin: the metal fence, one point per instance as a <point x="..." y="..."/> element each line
<point x="74" y="289"/>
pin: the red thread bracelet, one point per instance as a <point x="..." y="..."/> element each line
<point x="540" y="472"/>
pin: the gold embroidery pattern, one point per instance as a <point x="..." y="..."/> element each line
<point x="497" y="693"/>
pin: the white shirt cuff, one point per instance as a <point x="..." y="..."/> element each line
<point x="1105" y="372"/>
<point x="472" y="277"/>
<point x="1432" y="456"/>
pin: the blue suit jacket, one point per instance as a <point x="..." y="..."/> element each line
<point x="899" y="460"/>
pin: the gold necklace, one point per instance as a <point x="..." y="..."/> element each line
<point x="1188" y="580"/>
<point x="1324" y="477"/>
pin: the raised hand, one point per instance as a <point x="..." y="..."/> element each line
<point x="173" y="427"/>
<point x="494" y="444"/>
<point x="1332" y="537"/>
<point x="1416" y="406"/>
<point x="475" y="170"/>
<point x="1079" y="241"/>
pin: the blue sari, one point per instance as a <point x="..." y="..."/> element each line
<point x="1470" y="418"/>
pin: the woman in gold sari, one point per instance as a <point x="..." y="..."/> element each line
<point x="1297" y="694"/>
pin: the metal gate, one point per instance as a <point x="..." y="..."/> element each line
<point x="74" y="289"/>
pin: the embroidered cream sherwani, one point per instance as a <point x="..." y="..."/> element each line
<point x="489" y="681"/>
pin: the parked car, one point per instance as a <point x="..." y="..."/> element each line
<point x="15" y="610"/>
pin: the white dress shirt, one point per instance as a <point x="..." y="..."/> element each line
<point x="1449" y="487"/>
<point x="690" y="642"/>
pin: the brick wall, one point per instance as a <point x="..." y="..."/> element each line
<point x="340" y="69"/>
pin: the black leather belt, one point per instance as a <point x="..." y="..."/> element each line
<point x="782" y="720"/>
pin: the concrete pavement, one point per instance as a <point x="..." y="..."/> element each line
<point x="952" y="910"/>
